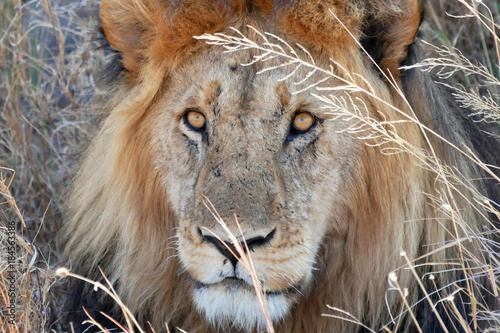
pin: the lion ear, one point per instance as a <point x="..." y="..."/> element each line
<point x="388" y="31"/>
<point x="130" y="26"/>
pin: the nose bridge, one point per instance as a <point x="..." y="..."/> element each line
<point x="240" y="179"/>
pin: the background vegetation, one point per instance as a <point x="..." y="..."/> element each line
<point x="50" y="77"/>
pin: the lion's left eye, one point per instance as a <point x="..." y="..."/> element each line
<point x="303" y="122"/>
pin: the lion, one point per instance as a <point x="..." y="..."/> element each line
<point x="335" y="196"/>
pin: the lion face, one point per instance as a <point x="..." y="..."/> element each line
<point x="275" y="160"/>
<point x="326" y="195"/>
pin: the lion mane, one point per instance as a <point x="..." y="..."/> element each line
<point x="330" y="212"/>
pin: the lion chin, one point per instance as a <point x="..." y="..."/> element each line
<point x="233" y="303"/>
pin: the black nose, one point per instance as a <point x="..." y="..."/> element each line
<point x="228" y="249"/>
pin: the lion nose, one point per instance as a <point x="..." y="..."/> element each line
<point x="228" y="250"/>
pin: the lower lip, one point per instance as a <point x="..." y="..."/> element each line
<point x="200" y="285"/>
<point x="240" y="284"/>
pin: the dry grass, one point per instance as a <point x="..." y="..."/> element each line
<point x="49" y="80"/>
<point x="48" y="73"/>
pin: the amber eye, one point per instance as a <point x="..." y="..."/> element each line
<point x="195" y="120"/>
<point x="303" y="122"/>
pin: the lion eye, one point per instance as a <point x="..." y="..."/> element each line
<point x="195" y="120"/>
<point x="303" y="122"/>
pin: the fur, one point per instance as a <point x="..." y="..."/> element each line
<point x="335" y="211"/>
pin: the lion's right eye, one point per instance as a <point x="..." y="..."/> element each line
<point x="195" y="120"/>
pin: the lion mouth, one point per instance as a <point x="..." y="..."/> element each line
<point x="234" y="283"/>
